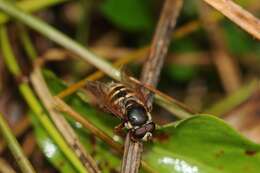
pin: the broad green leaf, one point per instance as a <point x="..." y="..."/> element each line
<point x="132" y="15"/>
<point x="203" y="144"/>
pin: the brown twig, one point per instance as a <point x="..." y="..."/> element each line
<point x="61" y="123"/>
<point x="238" y="15"/>
<point x="226" y="65"/>
<point x="150" y="75"/>
<point x="151" y="70"/>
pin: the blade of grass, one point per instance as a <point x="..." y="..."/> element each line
<point x="15" y="148"/>
<point x="18" y="130"/>
<point x="30" y="6"/>
<point x="33" y="103"/>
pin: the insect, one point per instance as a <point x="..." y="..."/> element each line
<point x="127" y="101"/>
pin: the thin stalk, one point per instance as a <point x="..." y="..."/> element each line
<point x="33" y="103"/>
<point x="150" y="75"/>
<point x="15" y="148"/>
<point x="27" y="43"/>
<point x="18" y="130"/>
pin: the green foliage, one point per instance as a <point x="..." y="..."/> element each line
<point x="107" y="161"/>
<point x="239" y="42"/>
<point x="50" y="149"/>
<point x="131" y="15"/>
<point x="181" y="73"/>
<point x="202" y="144"/>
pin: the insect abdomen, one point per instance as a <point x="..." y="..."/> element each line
<point x="119" y="92"/>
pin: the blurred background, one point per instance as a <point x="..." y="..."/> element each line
<point x="212" y="65"/>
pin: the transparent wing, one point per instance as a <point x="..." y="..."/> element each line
<point x="100" y="91"/>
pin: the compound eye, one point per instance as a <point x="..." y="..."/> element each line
<point x="137" y="116"/>
<point x="147" y="129"/>
<point x="139" y="133"/>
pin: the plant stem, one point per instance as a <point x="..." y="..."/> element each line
<point x="33" y="103"/>
<point x="150" y="75"/>
<point x="15" y="148"/>
<point x="27" y="43"/>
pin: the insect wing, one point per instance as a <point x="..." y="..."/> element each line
<point x="97" y="89"/>
<point x="100" y="91"/>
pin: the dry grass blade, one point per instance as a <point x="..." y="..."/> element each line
<point x="150" y="75"/>
<point x="238" y="15"/>
<point x="61" y="123"/>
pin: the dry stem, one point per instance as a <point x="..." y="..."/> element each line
<point x="150" y="75"/>
<point x="238" y="15"/>
<point x="61" y="123"/>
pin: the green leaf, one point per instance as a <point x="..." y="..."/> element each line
<point x="131" y="15"/>
<point x="50" y="149"/>
<point x="203" y="144"/>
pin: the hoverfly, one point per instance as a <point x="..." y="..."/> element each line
<point x="126" y="100"/>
